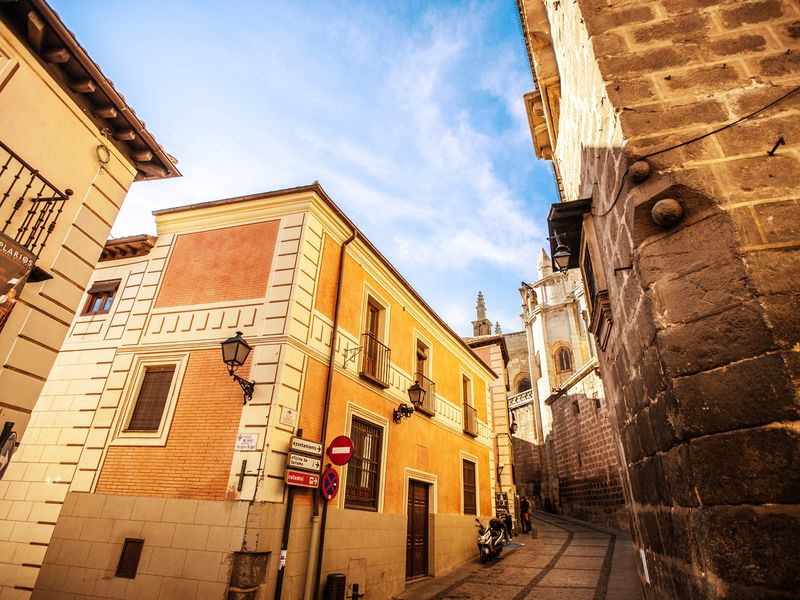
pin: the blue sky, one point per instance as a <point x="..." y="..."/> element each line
<point x="409" y="114"/>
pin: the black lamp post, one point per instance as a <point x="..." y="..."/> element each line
<point x="234" y="352"/>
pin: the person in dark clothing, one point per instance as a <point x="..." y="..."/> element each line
<point x="525" y="514"/>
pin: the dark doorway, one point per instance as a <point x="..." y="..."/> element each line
<point x="417" y="537"/>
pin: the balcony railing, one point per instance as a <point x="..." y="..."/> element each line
<point x="375" y="358"/>
<point x="428" y="405"/>
<point x="470" y="420"/>
<point x="29" y="204"/>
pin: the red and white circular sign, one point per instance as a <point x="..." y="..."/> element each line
<point x="341" y="450"/>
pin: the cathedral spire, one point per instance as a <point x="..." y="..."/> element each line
<point x="482" y="325"/>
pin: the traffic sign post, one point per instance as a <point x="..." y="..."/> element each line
<point x="330" y="484"/>
<point x="341" y="450"/>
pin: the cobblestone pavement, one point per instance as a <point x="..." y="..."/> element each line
<point x="568" y="559"/>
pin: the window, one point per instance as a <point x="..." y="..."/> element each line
<point x="153" y="394"/>
<point x="375" y="356"/>
<point x="470" y="415"/>
<point x="149" y="399"/>
<point x="563" y="358"/>
<point x="421" y="374"/>
<point x="524" y="385"/>
<point x="363" y="470"/>
<point x="470" y="494"/>
<point x="422" y="358"/>
<point x="129" y="559"/>
<point x="101" y="297"/>
<point x="596" y="288"/>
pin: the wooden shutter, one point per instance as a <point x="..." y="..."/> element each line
<point x="470" y="504"/>
<point x="151" y="399"/>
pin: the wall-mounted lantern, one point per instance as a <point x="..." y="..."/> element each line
<point x="234" y="352"/>
<point x="562" y="255"/>
<point x="416" y="393"/>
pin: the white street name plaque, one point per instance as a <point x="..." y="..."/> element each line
<point x="247" y="441"/>
<point x="300" y="461"/>
<point x="306" y="446"/>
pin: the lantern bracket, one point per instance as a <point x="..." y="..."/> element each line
<point x="350" y="354"/>
<point x="247" y="387"/>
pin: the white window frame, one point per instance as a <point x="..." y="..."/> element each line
<point x="121" y="437"/>
<point x="383" y="325"/>
<point x="474" y="460"/>
<point x="353" y="410"/>
<point x="418" y="337"/>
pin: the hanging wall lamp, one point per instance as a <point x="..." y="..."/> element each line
<point x="234" y="352"/>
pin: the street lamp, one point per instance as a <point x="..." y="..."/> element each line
<point x="416" y="393"/>
<point x="562" y="254"/>
<point x="234" y="352"/>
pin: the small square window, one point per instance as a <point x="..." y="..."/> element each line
<point x="101" y="297"/>
<point x="129" y="559"/>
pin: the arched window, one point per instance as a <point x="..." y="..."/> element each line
<point x="523" y="385"/>
<point x="563" y="358"/>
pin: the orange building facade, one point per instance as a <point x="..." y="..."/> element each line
<point x="176" y="489"/>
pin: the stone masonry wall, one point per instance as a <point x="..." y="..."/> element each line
<point x="703" y="360"/>
<point x="587" y="463"/>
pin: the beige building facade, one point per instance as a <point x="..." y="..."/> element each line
<point x="199" y="483"/>
<point x="70" y="147"/>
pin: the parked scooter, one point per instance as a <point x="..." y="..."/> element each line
<point x="490" y="541"/>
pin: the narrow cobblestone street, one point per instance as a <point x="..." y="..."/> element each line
<point x="568" y="559"/>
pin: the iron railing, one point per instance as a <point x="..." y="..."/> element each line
<point x="470" y="420"/>
<point x="428" y="405"/>
<point x="375" y="360"/>
<point x="29" y="204"/>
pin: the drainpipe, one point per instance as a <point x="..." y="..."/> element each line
<point x="311" y="588"/>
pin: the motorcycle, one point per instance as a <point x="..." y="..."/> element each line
<point x="490" y="540"/>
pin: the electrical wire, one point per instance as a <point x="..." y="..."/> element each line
<point x="693" y="140"/>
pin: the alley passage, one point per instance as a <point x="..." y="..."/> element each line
<point x="567" y="560"/>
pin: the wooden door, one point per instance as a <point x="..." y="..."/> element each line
<point x="417" y="536"/>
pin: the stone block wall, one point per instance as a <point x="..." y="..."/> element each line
<point x="186" y="552"/>
<point x="586" y="458"/>
<point x="703" y="361"/>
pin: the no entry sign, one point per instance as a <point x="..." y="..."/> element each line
<point x="330" y="484"/>
<point x="341" y="450"/>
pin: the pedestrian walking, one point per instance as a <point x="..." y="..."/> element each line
<point x="525" y="514"/>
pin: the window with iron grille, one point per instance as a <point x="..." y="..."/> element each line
<point x="470" y="500"/>
<point x="101" y="297"/>
<point x="363" y="470"/>
<point x="152" y="398"/>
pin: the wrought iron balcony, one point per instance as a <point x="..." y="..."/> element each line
<point x="375" y="358"/>
<point x="29" y="204"/>
<point x="470" y="420"/>
<point x="428" y="405"/>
